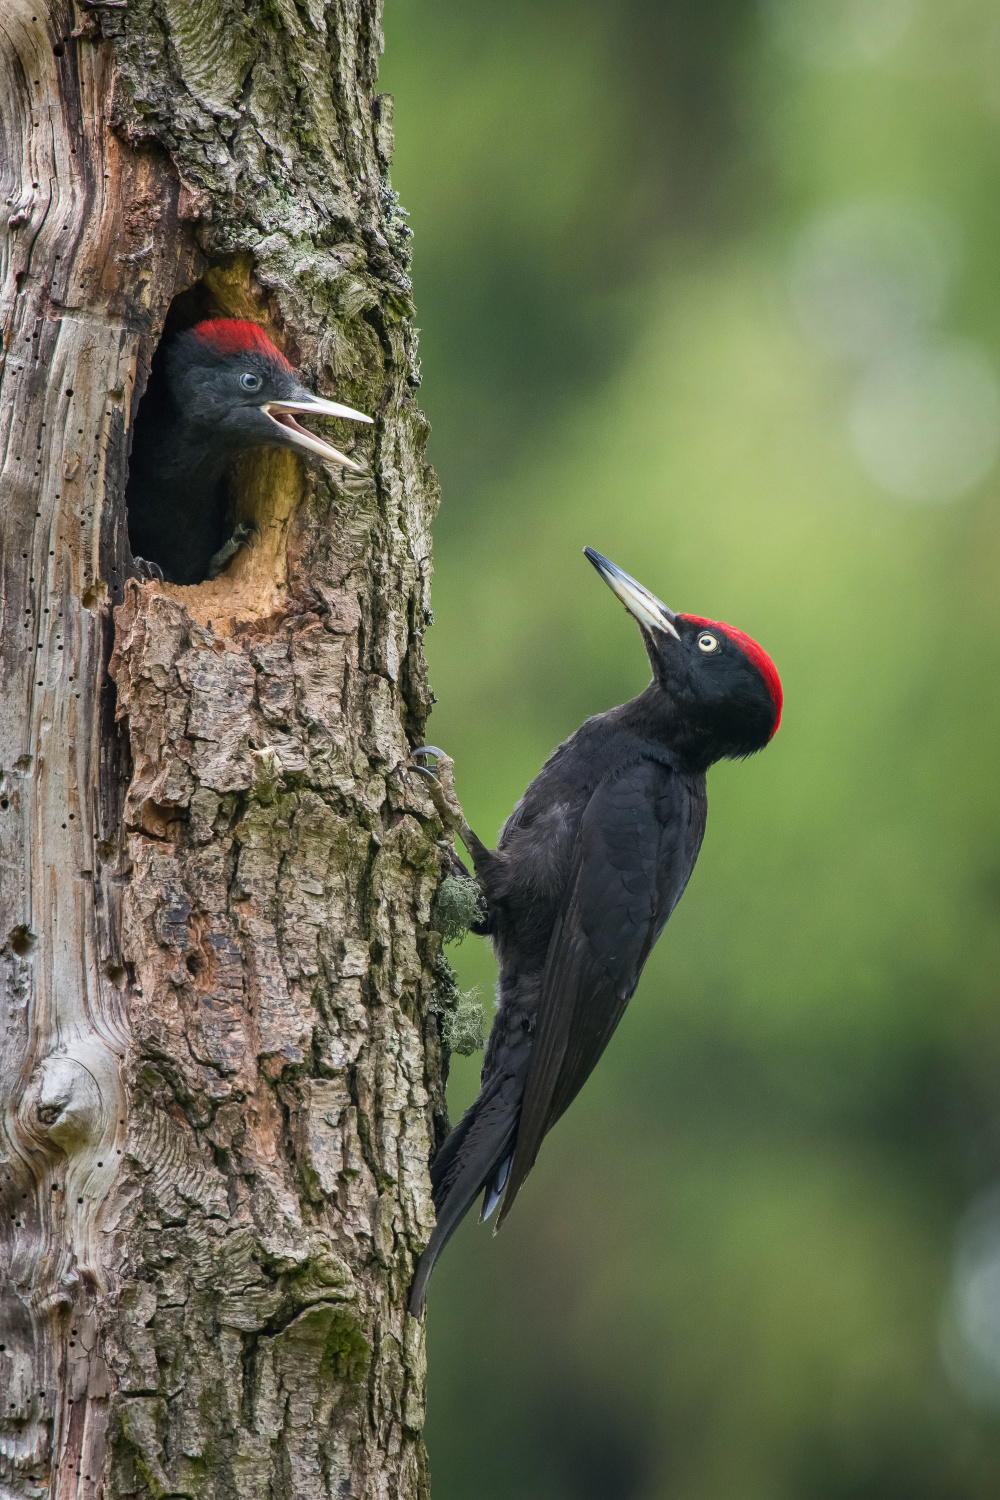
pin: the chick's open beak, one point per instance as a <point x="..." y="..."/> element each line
<point x="281" y="412"/>
<point x="647" y="609"/>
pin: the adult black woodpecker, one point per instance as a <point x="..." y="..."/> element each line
<point x="224" y="388"/>
<point x="587" y="869"/>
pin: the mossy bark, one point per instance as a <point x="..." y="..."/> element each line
<point x="218" y="967"/>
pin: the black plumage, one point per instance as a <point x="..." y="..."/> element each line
<point x="217" y="390"/>
<point x="585" y="874"/>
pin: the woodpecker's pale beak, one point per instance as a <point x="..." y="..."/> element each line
<point x="647" y="609"/>
<point x="280" y="412"/>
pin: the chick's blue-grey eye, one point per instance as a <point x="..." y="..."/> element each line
<point x="250" y="382"/>
<point x="707" y="642"/>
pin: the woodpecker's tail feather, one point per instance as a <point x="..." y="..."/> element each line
<point x="494" y="1189"/>
<point x="476" y="1153"/>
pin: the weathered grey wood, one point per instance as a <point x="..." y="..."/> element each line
<point x="222" y="1063"/>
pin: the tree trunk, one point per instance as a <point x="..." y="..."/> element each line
<point x="219" y="982"/>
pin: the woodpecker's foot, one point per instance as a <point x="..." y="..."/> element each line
<point x="481" y="856"/>
<point x="246" y="534"/>
<point x="148" y="570"/>
<point x="456" y="865"/>
<point x="442" y="786"/>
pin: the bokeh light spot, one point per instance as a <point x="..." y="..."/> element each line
<point x="872" y="277"/>
<point x="971" y="1331"/>
<point x="840" y="33"/>
<point x="925" y="425"/>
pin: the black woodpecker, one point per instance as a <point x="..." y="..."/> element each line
<point x="587" y="869"/>
<point x="224" y="388"/>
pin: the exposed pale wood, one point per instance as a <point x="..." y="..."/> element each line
<point x="222" y="1062"/>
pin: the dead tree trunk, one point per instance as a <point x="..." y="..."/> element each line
<point x="222" y="1057"/>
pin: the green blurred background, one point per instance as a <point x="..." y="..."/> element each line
<point x="715" y="288"/>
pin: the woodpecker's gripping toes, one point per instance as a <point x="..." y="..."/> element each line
<point x="224" y="388"/>
<point x="588" y="868"/>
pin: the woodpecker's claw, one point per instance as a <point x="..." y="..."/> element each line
<point x="244" y="535"/>
<point x="442" y="786"/>
<point x="148" y="570"/>
<point x="428" y="750"/>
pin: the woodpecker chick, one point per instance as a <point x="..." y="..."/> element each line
<point x="225" y="389"/>
<point x="587" y="869"/>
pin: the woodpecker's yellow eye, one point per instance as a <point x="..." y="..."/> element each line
<point x="707" y="642"/>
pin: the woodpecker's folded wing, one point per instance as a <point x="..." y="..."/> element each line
<point x="638" y="841"/>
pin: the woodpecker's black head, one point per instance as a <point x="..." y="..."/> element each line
<point x="723" y="689"/>
<point x="236" y="390"/>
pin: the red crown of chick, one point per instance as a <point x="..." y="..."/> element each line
<point x="226" y="336"/>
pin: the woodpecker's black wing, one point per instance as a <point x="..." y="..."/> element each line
<point x="638" y="841"/>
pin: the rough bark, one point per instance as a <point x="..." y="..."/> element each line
<point x="220" y="984"/>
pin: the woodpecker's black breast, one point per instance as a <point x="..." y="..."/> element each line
<point x="177" y="497"/>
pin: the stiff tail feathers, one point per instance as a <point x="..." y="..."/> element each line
<point x="476" y="1153"/>
<point x="494" y="1189"/>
